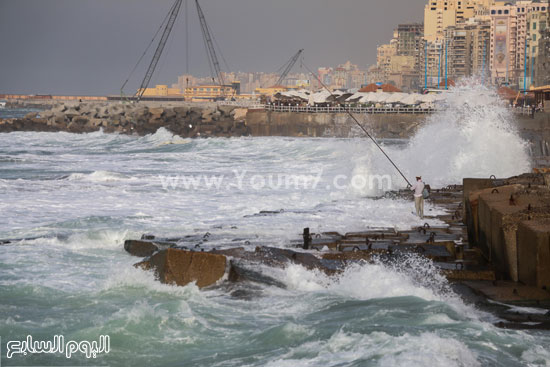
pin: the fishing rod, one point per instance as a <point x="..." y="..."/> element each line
<point x="358" y="124"/>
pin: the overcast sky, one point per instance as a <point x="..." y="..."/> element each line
<point x="88" y="47"/>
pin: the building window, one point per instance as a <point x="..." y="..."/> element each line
<point x="493" y="12"/>
<point x="534" y="25"/>
<point x="535" y="37"/>
<point x="499" y="12"/>
<point x="506" y="12"/>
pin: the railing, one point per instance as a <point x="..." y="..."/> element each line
<point x="357" y="110"/>
<point x="243" y="104"/>
<point x="527" y="110"/>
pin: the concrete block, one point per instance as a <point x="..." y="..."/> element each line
<point x="180" y="267"/>
<point x="533" y="238"/>
<point x="471" y="185"/>
<point x="140" y="248"/>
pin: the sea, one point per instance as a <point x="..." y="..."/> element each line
<point x="68" y="202"/>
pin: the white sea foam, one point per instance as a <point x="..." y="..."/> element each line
<point x="366" y="281"/>
<point x="474" y="136"/>
<point x="98" y="176"/>
<point x="382" y="349"/>
<point x="96" y="211"/>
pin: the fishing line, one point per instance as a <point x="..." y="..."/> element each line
<point x="358" y="123"/>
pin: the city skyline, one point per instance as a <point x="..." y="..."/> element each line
<point x="89" y="47"/>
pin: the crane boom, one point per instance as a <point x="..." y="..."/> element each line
<point x="289" y="65"/>
<point x="156" y="57"/>
<point x="213" y="58"/>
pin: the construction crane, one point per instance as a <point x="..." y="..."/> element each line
<point x="172" y="15"/>
<point x="288" y="66"/>
<point x="210" y="50"/>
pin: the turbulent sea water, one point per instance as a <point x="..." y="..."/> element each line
<point x="72" y="200"/>
<point x="11" y="113"/>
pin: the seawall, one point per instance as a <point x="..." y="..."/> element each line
<point x="269" y="123"/>
<point x="210" y="119"/>
<point x="509" y="220"/>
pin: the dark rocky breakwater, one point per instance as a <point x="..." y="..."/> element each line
<point x="192" y="120"/>
<point x="476" y="264"/>
<point x="185" y="121"/>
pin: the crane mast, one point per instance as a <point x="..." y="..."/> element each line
<point x="173" y="14"/>
<point x="212" y="57"/>
<point x="289" y="65"/>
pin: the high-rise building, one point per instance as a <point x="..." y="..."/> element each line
<point x="435" y="62"/>
<point x="542" y="63"/>
<point x="468" y="50"/>
<point x="375" y="75"/>
<point x="536" y="25"/>
<point x="325" y="76"/>
<point x="409" y="38"/>
<point x="440" y="14"/>
<point x="515" y="30"/>
<point x="384" y="57"/>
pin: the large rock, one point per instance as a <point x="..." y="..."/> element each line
<point x="156" y="113"/>
<point x="169" y="113"/>
<point x="86" y="109"/>
<point x="95" y="123"/>
<point x="181" y="112"/>
<point x="140" y="248"/>
<point x="140" y="113"/>
<point x="181" y="267"/>
<point x="239" y="114"/>
<point x="48" y="114"/>
<point x="30" y="115"/>
<point x="81" y="120"/>
<point x="208" y="115"/>
<point x="226" y="110"/>
<point x="71" y="113"/>
<point x="103" y="112"/>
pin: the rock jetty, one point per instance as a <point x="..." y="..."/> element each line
<point x="185" y="121"/>
<point x="494" y="245"/>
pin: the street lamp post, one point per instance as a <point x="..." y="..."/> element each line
<point x="425" y="65"/>
<point x="527" y="40"/>
<point x="484" y="62"/>
<point x="532" y="65"/>
<point x="439" y="69"/>
<point x="446" y="86"/>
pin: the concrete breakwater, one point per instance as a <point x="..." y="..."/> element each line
<point x="509" y="220"/>
<point x="385" y="126"/>
<point x="210" y="119"/>
<point x="186" y="121"/>
<point x="494" y="245"/>
<point x="204" y="120"/>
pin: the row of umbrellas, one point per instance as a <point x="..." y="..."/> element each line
<point x="324" y="96"/>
